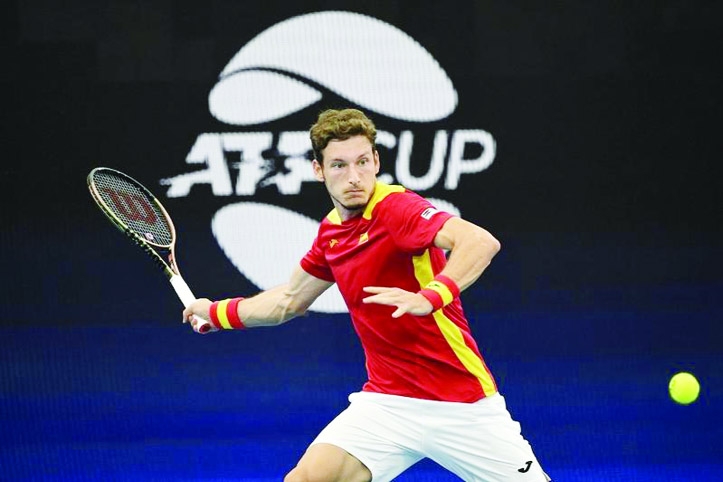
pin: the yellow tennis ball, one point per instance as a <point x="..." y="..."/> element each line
<point x="684" y="388"/>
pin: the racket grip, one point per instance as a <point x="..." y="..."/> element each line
<point x="187" y="297"/>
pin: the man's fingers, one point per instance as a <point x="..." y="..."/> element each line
<point x="398" y="312"/>
<point x="384" y="298"/>
<point x="378" y="289"/>
<point x="406" y="302"/>
<point x="383" y="294"/>
<point x="375" y="299"/>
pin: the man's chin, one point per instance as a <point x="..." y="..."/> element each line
<point x="355" y="203"/>
<point x="354" y="206"/>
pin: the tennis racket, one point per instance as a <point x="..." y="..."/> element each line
<point x="136" y="212"/>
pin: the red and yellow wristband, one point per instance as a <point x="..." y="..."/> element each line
<point x="441" y="291"/>
<point x="224" y="314"/>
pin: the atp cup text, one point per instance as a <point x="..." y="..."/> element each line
<point x="238" y="163"/>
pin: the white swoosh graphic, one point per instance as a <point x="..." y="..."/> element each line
<point x="370" y="63"/>
<point x="266" y="242"/>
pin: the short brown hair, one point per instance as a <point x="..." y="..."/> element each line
<point x="333" y="124"/>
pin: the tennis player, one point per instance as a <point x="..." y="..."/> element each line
<point x="429" y="392"/>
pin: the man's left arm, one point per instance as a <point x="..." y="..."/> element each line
<point x="471" y="249"/>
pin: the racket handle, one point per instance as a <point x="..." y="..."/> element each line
<point x="186" y="296"/>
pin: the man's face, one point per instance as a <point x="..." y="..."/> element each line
<point x="349" y="172"/>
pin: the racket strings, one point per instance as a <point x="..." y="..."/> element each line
<point x="132" y="205"/>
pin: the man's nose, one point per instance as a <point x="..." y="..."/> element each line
<point x="354" y="176"/>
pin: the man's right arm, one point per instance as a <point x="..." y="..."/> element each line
<point x="271" y="307"/>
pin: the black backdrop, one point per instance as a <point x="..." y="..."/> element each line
<point x="604" y="188"/>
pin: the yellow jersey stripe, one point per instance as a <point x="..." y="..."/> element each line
<point x="469" y="358"/>
<point x="423" y="269"/>
<point x="451" y="332"/>
<point x="381" y="191"/>
<point x="334" y="217"/>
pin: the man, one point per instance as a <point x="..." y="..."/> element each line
<point x="429" y="392"/>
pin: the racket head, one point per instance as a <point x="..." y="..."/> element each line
<point x="131" y="207"/>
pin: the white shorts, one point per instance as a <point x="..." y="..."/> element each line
<point x="476" y="441"/>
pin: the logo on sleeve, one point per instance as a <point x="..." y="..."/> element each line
<point x="428" y="213"/>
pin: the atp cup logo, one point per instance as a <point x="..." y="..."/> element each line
<point x="287" y="68"/>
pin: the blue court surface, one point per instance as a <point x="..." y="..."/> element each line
<point x="155" y="402"/>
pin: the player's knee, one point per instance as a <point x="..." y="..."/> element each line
<point x="305" y="473"/>
<point x="328" y="463"/>
<point x="300" y="474"/>
<point x="294" y="476"/>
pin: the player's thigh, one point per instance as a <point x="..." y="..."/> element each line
<point x="484" y="443"/>
<point x="328" y="463"/>
<point x="382" y="437"/>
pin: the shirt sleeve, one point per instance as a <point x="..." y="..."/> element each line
<point x="314" y="262"/>
<point x="412" y="220"/>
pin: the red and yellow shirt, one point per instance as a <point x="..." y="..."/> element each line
<point x="391" y="244"/>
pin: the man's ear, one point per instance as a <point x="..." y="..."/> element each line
<point x="376" y="162"/>
<point x="318" y="170"/>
